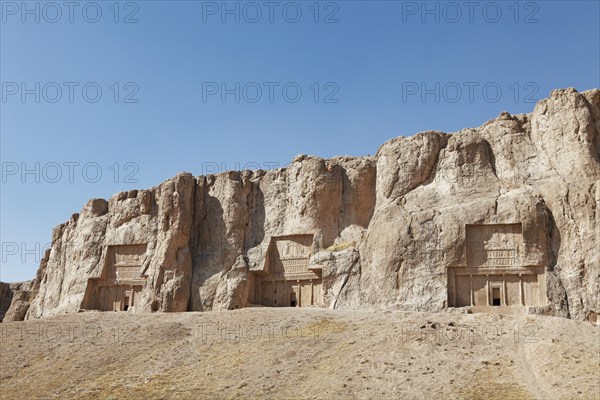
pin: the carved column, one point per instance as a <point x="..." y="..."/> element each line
<point x="471" y="289"/>
<point x="521" y="290"/>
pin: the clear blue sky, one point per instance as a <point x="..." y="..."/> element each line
<point x="370" y="62"/>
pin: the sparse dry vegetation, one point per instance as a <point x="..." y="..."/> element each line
<point x="290" y="353"/>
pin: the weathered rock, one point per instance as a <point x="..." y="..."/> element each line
<point x="160" y="217"/>
<point x="6" y="296"/>
<point x="385" y="230"/>
<point x="15" y="300"/>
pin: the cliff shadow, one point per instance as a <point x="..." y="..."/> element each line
<point x="211" y="251"/>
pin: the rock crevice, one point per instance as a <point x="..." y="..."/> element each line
<point x="388" y="231"/>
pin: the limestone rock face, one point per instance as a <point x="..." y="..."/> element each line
<point x="160" y="217"/>
<point x="386" y="229"/>
<point x="15" y="300"/>
<point x="6" y="296"/>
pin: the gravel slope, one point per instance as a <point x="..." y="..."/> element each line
<point x="299" y="354"/>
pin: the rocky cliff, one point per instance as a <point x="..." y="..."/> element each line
<point x="385" y="229"/>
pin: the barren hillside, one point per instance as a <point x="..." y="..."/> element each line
<point x="300" y="353"/>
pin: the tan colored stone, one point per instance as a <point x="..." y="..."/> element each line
<point x="385" y="230"/>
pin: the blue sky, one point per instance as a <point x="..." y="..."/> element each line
<point x="202" y="86"/>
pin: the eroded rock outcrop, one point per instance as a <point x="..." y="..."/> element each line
<point x="15" y="300"/>
<point x="508" y="212"/>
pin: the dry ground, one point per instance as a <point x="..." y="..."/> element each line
<point x="299" y="354"/>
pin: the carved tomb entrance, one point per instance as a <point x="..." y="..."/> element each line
<point x="495" y="277"/>
<point x="119" y="288"/>
<point x="287" y="278"/>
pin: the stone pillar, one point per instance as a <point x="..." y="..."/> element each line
<point x="471" y="289"/>
<point x="521" y="290"/>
